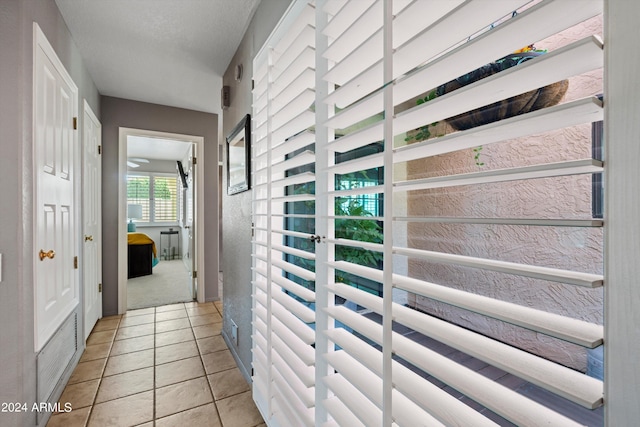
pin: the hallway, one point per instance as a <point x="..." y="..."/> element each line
<point x="166" y="364"/>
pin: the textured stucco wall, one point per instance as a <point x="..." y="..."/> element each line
<point x="236" y="209"/>
<point x="577" y="249"/>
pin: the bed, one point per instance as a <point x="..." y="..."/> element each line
<point x="142" y="255"/>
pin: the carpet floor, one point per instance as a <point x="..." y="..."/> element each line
<point x="168" y="284"/>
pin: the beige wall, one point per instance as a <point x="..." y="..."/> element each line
<point x="577" y="249"/>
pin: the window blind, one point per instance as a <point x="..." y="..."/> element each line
<point x="158" y="196"/>
<point x="284" y="216"/>
<point x="469" y="270"/>
<point x="165" y="200"/>
<point x="138" y="193"/>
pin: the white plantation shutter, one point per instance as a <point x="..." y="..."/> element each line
<point x="483" y="241"/>
<point x="284" y="278"/>
<point x="165" y="201"/>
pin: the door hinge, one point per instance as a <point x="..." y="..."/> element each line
<point x="99" y="149"/>
<point x="75" y="262"/>
<point x="99" y="287"/>
<point x="195" y="274"/>
<point x="75" y="123"/>
<point x="194" y="161"/>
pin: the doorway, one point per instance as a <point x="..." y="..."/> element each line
<point x="158" y="217"/>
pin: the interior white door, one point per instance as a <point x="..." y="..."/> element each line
<point x="55" y="165"/>
<point x="92" y="219"/>
<point x="191" y="231"/>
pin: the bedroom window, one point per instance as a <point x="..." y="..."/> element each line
<point x="158" y="195"/>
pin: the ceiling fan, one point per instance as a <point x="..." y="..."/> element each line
<point x="133" y="162"/>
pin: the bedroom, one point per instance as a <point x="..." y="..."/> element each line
<point x="159" y="221"/>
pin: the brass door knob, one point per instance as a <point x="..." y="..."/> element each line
<point x="50" y="254"/>
<point x="88" y="238"/>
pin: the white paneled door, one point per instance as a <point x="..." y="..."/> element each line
<point x="92" y="218"/>
<point x="190" y="223"/>
<point x="55" y="154"/>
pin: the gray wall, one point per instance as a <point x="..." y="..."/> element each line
<point x="118" y="113"/>
<point x="17" y="375"/>
<point x="236" y="209"/>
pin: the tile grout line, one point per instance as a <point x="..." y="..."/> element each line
<point x="95" y="397"/>
<point x="206" y="376"/>
<point x="109" y="356"/>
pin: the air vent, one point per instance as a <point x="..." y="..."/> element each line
<point x="54" y="358"/>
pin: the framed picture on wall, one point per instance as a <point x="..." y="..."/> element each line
<point x="238" y="157"/>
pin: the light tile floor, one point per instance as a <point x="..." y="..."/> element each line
<point x="164" y="366"/>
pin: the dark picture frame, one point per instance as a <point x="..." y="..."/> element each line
<point x="238" y="157"/>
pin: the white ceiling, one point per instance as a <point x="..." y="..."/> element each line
<point x="169" y="52"/>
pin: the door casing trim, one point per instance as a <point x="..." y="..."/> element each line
<point x="123" y="133"/>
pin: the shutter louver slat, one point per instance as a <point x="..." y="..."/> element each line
<point x="373" y="189"/>
<point x="301" y="159"/>
<point x="341" y="413"/>
<point x="294" y="269"/>
<point x="363" y="408"/>
<point x="575" y="386"/>
<point x="370" y="51"/>
<point x="282" y="95"/>
<point x="303" y="312"/>
<point x="543" y="273"/>
<point x="292" y="233"/>
<point x="299" y="348"/>
<point x="509" y="404"/>
<point x="359" y="164"/>
<point x="286" y="76"/>
<point x="290" y="110"/>
<point x="293" y="251"/>
<point x="294" y="288"/>
<point x="579" y="57"/>
<point x="572" y="330"/>
<point x="405" y="412"/>
<point x="431" y="42"/>
<point x="332" y="7"/>
<point x="299" y="123"/>
<point x="568" y="329"/>
<point x="306" y="373"/>
<point x="293" y="144"/>
<point x="300" y="41"/>
<point x="293" y="198"/>
<point x="574" y="59"/>
<point x="345" y="17"/>
<point x="299" y="412"/>
<point x="301" y="178"/>
<point x="548" y="170"/>
<point x="295" y="325"/>
<point x="585" y="110"/>
<point x="305" y="18"/>
<point x="536" y="23"/>
<point x="443" y="406"/>
<point x="293" y="382"/>
<point x="538" y="222"/>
